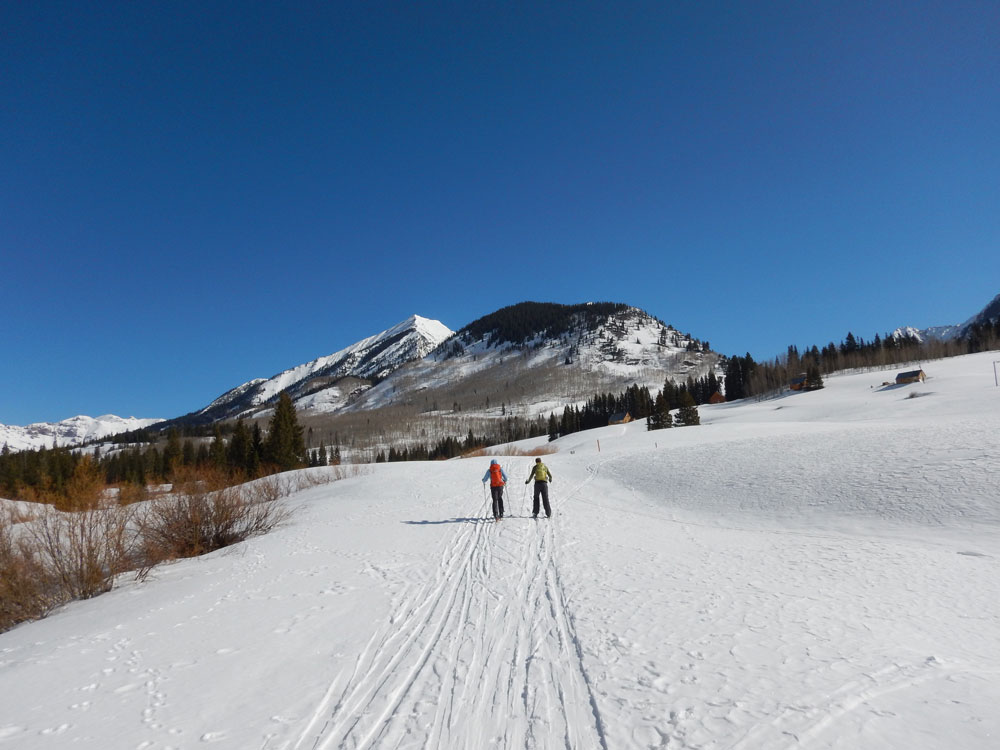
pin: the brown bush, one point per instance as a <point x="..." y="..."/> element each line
<point x="82" y="552"/>
<point x="511" y="450"/>
<point x="26" y="590"/>
<point x="53" y="557"/>
<point x="129" y="494"/>
<point x="201" y="517"/>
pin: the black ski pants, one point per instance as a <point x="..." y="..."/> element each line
<point x="541" y="489"/>
<point x="497" y="493"/>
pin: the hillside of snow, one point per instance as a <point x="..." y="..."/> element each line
<point x="68" y="432"/>
<point x="820" y="571"/>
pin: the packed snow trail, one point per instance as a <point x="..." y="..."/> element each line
<point x="485" y="649"/>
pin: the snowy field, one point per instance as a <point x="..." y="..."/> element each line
<point x="817" y="571"/>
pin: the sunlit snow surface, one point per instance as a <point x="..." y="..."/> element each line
<point x="816" y="571"/>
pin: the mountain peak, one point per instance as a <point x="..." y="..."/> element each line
<point x="315" y="384"/>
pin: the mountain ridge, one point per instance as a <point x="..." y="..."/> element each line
<point x="68" y="432"/>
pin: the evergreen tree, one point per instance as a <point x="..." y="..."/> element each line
<point x="256" y="451"/>
<point x="659" y="417"/>
<point x="285" y="446"/>
<point x="687" y="415"/>
<point x="814" y="380"/>
<point x="188" y="453"/>
<point x="173" y="454"/>
<point x="553" y="427"/>
<point x="240" y="447"/>
<point x="217" y="452"/>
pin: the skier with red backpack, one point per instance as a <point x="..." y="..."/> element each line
<point x="497" y="478"/>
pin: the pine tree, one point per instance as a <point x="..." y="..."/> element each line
<point x="173" y="454"/>
<point x="217" y="452"/>
<point x="814" y="380"/>
<point x="240" y="447"/>
<point x="687" y="415"/>
<point x="256" y="451"/>
<point x="659" y="417"/>
<point x="285" y="446"/>
<point x="553" y="426"/>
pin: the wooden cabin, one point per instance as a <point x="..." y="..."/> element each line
<point x="799" y="383"/>
<point x="717" y="398"/>
<point x="913" y="376"/>
<point x="620" y="418"/>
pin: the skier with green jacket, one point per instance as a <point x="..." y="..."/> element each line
<point x="542" y="476"/>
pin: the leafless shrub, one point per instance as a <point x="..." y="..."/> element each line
<point x="26" y="590"/>
<point x="201" y="517"/>
<point x="57" y="556"/>
<point x="129" y="494"/>
<point x="81" y="552"/>
<point x="512" y="450"/>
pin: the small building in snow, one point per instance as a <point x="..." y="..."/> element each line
<point x="717" y="398"/>
<point x="913" y="376"/>
<point x="620" y="418"/>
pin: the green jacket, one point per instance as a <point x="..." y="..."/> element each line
<point x="540" y="473"/>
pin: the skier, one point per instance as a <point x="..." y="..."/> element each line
<point x="497" y="478"/>
<point x="542" y="476"/>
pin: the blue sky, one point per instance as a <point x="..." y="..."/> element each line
<point x="194" y="194"/>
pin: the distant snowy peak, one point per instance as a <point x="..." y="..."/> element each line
<point x="372" y="358"/>
<point x="923" y="335"/>
<point x="989" y="314"/>
<point x="68" y="432"/>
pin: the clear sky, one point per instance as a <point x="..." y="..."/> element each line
<point x="194" y="194"/>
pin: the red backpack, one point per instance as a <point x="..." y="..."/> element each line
<point x="496" y="475"/>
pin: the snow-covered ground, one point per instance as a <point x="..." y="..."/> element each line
<point x="817" y="571"/>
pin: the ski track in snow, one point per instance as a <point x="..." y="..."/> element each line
<point x="490" y="638"/>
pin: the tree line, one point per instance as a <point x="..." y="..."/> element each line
<point x="46" y="475"/>
<point x="745" y="378"/>
<point x="509" y="430"/>
<point x="638" y="403"/>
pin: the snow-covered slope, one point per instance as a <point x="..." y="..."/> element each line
<point x="68" y="432"/>
<point x="372" y="357"/>
<point x="821" y="570"/>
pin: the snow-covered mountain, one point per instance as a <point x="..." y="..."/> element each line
<point x="989" y="314"/>
<point x="923" y="335"/>
<point x="68" y="432"/>
<point x="319" y="384"/>
<point x="531" y="358"/>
